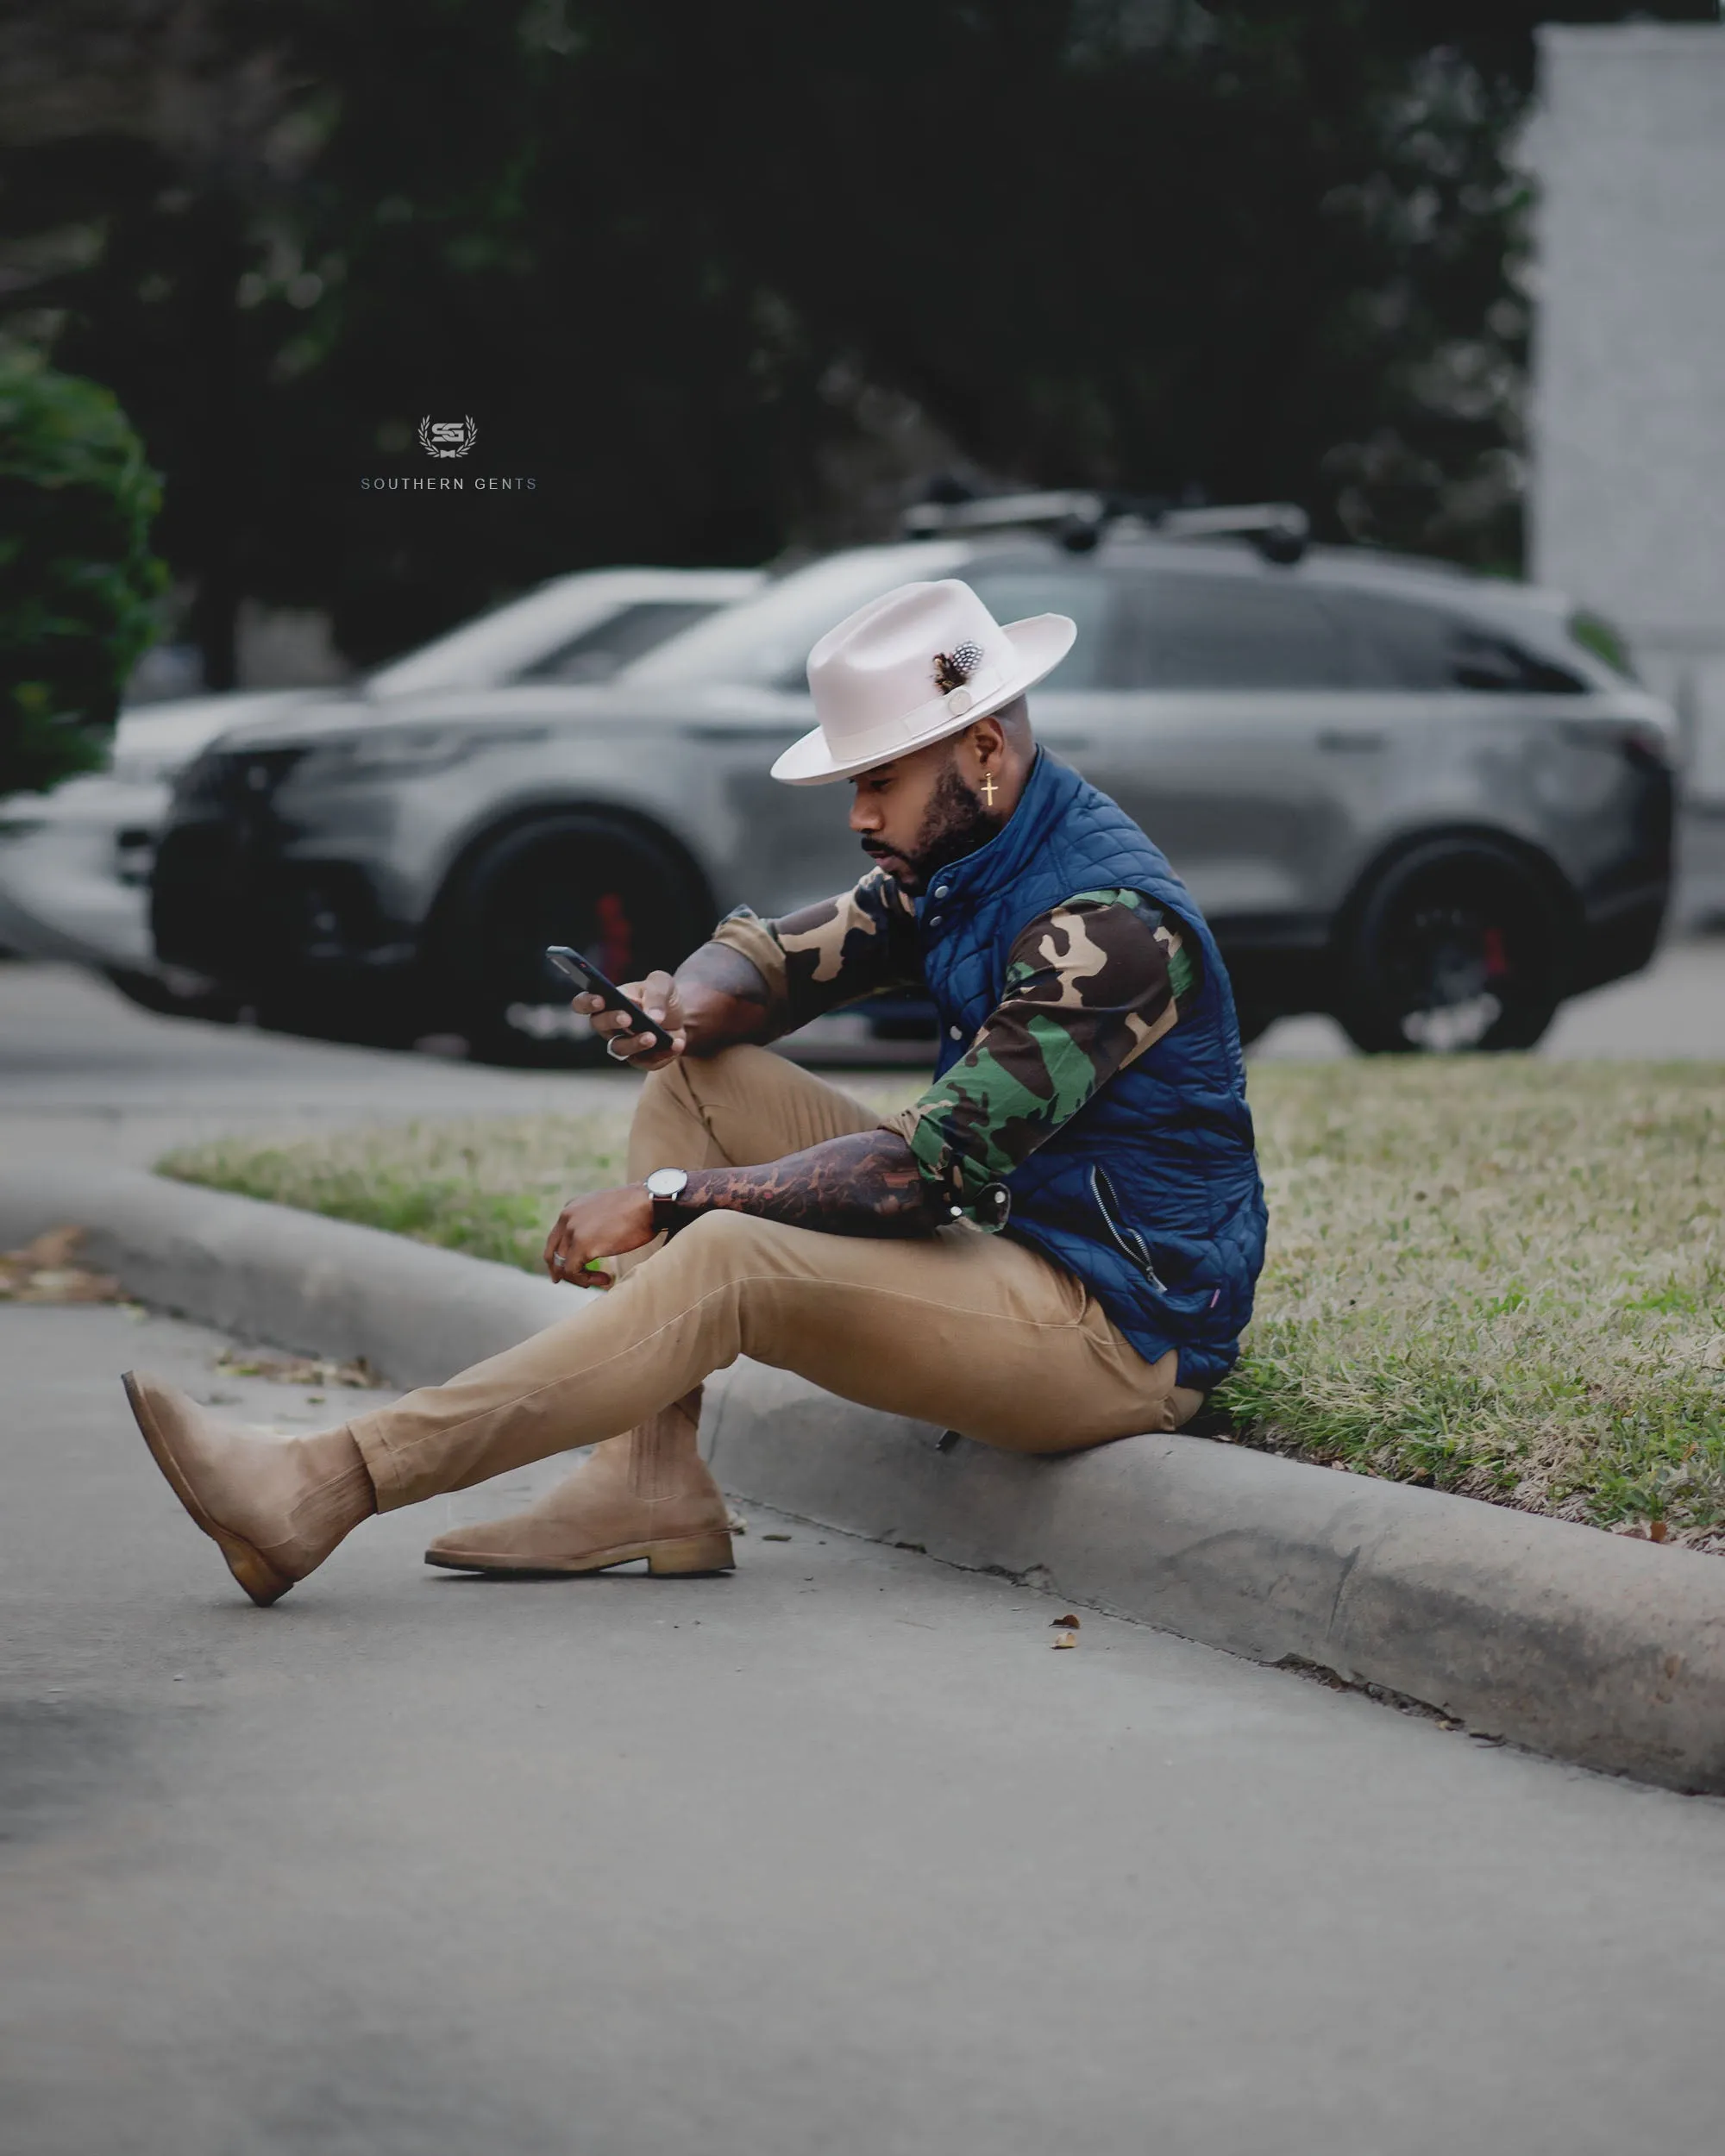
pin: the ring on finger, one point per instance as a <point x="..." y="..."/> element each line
<point x="611" y="1049"/>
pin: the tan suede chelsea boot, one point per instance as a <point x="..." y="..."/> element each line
<point x="648" y="1493"/>
<point x="275" y="1506"/>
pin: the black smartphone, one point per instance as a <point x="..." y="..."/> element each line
<point x="572" y="963"/>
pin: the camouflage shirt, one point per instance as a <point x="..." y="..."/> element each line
<point x="1089" y="985"/>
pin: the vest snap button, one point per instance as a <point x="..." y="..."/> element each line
<point x="940" y="891"/>
<point x="934" y="920"/>
<point x="956" y="1031"/>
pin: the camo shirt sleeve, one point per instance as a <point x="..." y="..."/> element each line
<point x="831" y="953"/>
<point x="1089" y="986"/>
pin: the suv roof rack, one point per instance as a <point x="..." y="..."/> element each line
<point x="1280" y="531"/>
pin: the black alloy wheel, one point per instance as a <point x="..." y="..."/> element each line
<point x="602" y="887"/>
<point x="1457" y="947"/>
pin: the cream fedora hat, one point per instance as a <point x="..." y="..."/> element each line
<point x="910" y="668"/>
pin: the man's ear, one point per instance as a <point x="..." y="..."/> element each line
<point x="987" y="737"/>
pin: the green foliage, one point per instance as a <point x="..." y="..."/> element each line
<point x="1604" y="640"/>
<point x="77" y="576"/>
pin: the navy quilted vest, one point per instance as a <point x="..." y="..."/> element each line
<point x="1171" y="1133"/>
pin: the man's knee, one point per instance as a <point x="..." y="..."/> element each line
<point x="691" y="1080"/>
<point x="661" y="1086"/>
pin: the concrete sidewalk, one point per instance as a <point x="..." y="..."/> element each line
<point x="836" y="1855"/>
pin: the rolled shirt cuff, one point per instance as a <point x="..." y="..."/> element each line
<point x="745" y="932"/>
<point x="964" y="1187"/>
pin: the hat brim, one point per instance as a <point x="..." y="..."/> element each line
<point x="1040" y="642"/>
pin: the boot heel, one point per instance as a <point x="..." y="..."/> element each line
<point x="694" y="1553"/>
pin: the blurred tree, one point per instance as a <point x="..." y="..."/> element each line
<point x="1268" y="248"/>
<point x="77" y="576"/>
<point x="150" y="151"/>
<point x="719" y="280"/>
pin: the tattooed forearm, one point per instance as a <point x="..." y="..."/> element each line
<point x="725" y="1000"/>
<point x="867" y="1184"/>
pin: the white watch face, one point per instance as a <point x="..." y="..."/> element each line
<point x="666" y="1182"/>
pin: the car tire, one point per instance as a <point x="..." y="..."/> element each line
<point x="151" y="992"/>
<point x="1457" y="946"/>
<point x="1253" y="1019"/>
<point x="376" y="1015"/>
<point x="605" y="887"/>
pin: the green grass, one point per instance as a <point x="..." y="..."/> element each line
<point x="1493" y="1276"/>
<point x="489" y="1186"/>
<point x="1498" y="1276"/>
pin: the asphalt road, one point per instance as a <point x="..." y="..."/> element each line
<point x="1676" y="1009"/>
<point x="837" y="1855"/>
<point x="82" y="1071"/>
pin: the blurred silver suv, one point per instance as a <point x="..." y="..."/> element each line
<point x="75" y="863"/>
<point x="1430" y="804"/>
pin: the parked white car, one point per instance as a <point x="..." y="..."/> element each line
<point x="75" y="863"/>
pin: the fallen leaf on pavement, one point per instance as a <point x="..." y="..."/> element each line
<point x="775" y="1537"/>
<point x="1067" y="1640"/>
<point x="43" y="1271"/>
<point x="297" y="1370"/>
<point x="1071" y="1623"/>
<point x="52" y="1247"/>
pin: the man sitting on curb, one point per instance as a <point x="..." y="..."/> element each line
<point x="1055" y="1246"/>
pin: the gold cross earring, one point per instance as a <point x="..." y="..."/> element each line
<point x="988" y="787"/>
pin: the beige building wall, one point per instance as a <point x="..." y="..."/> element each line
<point x="1628" y="394"/>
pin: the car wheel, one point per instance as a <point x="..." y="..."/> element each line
<point x="602" y="888"/>
<point x="1456" y="947"/>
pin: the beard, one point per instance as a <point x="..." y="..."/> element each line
<point x="954" y="824"/>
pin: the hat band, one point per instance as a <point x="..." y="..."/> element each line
<point x="889" y="736"/>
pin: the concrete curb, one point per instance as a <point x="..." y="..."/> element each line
<point x="293" y="1279"/>
<point x="1590" y="1647"/>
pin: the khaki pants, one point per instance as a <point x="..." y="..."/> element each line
<point x="972" y="1331"/>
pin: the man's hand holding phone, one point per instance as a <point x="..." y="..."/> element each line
<point x="657" y="997"/>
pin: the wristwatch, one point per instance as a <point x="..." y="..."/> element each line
<point x="666" y="1183"/>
